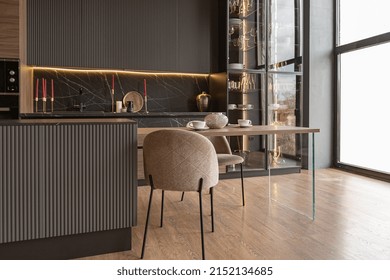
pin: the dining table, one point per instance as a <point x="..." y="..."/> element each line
<point x="268" y="131"/>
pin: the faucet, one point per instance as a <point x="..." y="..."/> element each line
<point x="81" y="106"/>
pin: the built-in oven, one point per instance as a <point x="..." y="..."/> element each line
<point x="9" y="88"/>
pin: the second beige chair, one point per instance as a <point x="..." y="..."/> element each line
<point x="226" y="158"/>
<point x="179" y="160"/>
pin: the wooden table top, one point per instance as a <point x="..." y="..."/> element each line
<point x="234" y="130"/>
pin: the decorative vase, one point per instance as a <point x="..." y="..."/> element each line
<point x="203" y="101"/>
<point x="216" y="120"/>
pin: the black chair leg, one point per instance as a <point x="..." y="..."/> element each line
<point x="162" y="208"/>
<point x="212" y="208"/>
<point x="182" y="196"/>
<point x="147" y="218"/>
<point x="201" y="217"/>
<point x="242" y="185"/>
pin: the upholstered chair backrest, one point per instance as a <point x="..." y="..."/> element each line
<point x="177" y="159"/>
<point x="221" y="144"/>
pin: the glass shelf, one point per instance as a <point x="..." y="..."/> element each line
<point x="239" y="91"/>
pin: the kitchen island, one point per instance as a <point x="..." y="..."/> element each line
<point x="68" y="187"/>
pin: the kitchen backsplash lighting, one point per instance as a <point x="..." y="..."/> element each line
<point x="167" y="92"/>
<point x="130" y="72"/>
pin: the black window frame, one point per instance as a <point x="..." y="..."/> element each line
<point x="338" y="51"/>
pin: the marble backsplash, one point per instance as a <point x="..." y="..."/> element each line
<point x="165" y="92"/>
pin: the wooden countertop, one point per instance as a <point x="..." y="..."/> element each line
<point x="234" y="130"/>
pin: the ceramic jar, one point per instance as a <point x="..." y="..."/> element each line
<point x="216" y="120"/>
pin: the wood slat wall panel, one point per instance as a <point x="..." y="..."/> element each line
<point x="66" y="179"/>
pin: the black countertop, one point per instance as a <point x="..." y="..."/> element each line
<point x="101" y="114"/>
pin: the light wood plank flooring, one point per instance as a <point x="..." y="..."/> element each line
<point x="352" y="222"/>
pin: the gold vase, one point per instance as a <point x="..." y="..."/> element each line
<point x="203" y="101"/>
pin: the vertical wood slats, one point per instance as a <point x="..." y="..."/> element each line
<point x="66" y="179"/>
<point x="105" y="34"/>
<point x="169" y="35"/>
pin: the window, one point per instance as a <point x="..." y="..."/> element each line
<point x="363" y="93"/>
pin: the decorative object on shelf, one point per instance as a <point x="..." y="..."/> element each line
<point x="52" y="96"/>
<point x="245" y="106"/>
<point x="146" y="98"/>
<point x="36" y="95"/>
<point x="112" y="93"/>
<point x="44" y="93"/>
<point x="119" y="106"/>
<point x="130" y="106"/>
<point x="232" y="106"/>
<point x="203" y="101"/>
<point x="216" y="120"/>
<point x="238" y="66"/>
<point x="136" y="98"/>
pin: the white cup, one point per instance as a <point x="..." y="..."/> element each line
<point x="119" y="106"/>
<point x="242" y="122"/>
<point x="196" y="124"/>
<point x="232" y="106"/>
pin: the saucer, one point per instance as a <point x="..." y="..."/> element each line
<point x="198" y="129"/>
<point x="244" y="126"/>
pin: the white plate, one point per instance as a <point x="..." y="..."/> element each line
<point x="245" y="126"/>
<point x="236" y="66"/>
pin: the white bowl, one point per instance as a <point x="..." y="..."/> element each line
<point x="236" y="66"/>
<point x="235" y="21"/>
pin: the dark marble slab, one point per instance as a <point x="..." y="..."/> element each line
<point x="101" y="114"/>
<point x="166" y="92"/>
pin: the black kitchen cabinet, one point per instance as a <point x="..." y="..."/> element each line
<point x="152" y="35"/>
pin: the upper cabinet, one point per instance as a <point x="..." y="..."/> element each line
<point x="9" y="29"/>
<point x="154" y="35"/>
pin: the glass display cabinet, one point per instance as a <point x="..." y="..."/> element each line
<point x="264" y="76"/>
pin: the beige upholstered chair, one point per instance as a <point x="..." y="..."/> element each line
<point x="225" y="158"/>
<point x="179" y="160"/>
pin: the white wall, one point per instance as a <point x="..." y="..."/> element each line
<point x="321" y="78"/>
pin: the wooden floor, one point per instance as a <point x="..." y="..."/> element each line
<point x="352" y="221"/>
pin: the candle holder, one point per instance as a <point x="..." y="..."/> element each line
<point x="44" y="104"/>
<point x="52" y="104"/>
<point x="112" y="101"/>
<point x="146" y="104"/>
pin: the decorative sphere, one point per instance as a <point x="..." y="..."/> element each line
<point x="216" y="120"/>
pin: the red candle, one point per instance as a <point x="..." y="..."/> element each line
<point x="145" y="87"/>
<point x="52" y="88"/>
<point x="36" y="90"/>
<point x="113" y="85"/>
